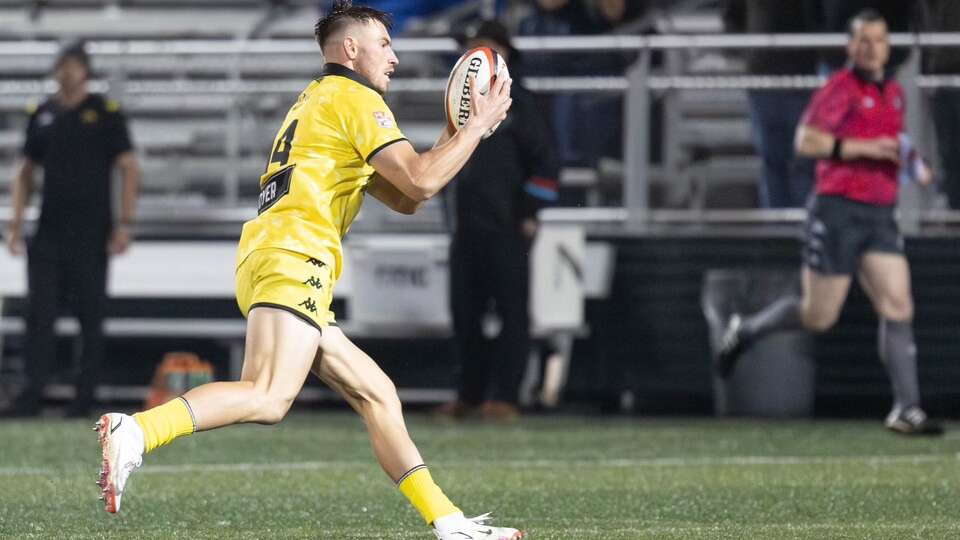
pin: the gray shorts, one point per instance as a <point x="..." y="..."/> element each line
<point x="839" y="231"/>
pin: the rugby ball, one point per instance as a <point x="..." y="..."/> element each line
<point x="486" y="65"/>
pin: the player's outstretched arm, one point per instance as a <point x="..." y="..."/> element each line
<point x="421" y="176"/>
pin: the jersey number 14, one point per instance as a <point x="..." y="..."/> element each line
<point x="281" y="153"/>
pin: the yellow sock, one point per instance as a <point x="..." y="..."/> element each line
<point x="164" y="423"/>
<point x="418" y="487"/>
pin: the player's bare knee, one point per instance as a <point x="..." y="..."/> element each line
<point x="896" y="309"/>
<point x="274" y="412"/>
<point x="277" y="410"/>
<point x="819" y="321"/>
<point x="380" y="395"/>
<point x="270" y="407"/>
<point x="388" y="398"/>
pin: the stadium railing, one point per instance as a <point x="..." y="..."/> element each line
<point x="237" y="61"/>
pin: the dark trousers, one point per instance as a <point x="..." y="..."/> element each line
<point x="490" y="271"/>
<point x="946" y="119"/>
<point x="72" y="266"/>
<point x="785" y="180"/>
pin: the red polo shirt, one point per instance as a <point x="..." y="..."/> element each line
<point x="850" y="105"/>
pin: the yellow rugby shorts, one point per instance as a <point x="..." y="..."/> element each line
<point x="287" y="280"/>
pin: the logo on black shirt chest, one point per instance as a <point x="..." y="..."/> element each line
<point x="89" y="116"/>
<point x="45" y="118"/>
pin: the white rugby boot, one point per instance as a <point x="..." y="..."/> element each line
<point x="122" y="442"/>
<point x="912" y="421"/>
<point x="457" y="527"/>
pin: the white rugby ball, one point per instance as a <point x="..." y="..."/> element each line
<point x="486" y="65"/>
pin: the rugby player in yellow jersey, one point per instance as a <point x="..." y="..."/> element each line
<point x="338" y="142"/>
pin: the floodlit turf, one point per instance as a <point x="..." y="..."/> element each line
<point x="558" y="477"/>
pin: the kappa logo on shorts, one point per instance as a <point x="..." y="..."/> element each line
<point x="315" y="262"/>
<point x="817" y="227"/>
<point x="309" y="304"/>
<point x="314" y="282"/>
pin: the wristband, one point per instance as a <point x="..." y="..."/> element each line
<point x="836" y="153"/>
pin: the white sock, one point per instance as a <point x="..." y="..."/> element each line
<point x="448" y="522"/>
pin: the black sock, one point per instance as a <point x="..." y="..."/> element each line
<point x="898" y="352"/>
<point x="784" y="314"/>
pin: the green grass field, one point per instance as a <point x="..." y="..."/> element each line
<point x="557" y="477"/>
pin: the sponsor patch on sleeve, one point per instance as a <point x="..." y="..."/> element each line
<point x="383" y="119"/>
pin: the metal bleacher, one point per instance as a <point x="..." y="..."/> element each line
<point x="202" y="120"/>
<point x="147" y="19"/>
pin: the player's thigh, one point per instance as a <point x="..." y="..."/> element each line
<point x="885" y="277"/>
<point x="277" y="278"/>
<point x="350" y="371"/>
<point x="280" y="349"/>
<point x="823" y="297"/>
<point x="285" y="295"/>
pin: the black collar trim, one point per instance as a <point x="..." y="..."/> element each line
<point x="343" y="71"/>
<point x="92" y="100"/>
<point x="865" y="77"/>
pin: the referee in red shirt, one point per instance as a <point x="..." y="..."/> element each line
<point x="852" y="127"/>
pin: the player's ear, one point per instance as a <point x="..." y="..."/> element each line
<point x="351" y="47"/>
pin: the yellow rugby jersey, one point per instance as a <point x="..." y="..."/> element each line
<point x="319" y="167"/>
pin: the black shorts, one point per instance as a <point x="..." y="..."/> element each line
<point x="839" y="231"/>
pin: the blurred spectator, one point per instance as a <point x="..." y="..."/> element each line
<point x="834" y="16"/>
<point x="944" y="16"/>
<point x="588" y="125"/>
<point x="77" y="138"/>
<point x="565" y="17"/>
<point x="401" y="11"/>
<point x="510" y="177"/>
<point x="785" y="179"/>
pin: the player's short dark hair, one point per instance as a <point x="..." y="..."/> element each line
<point x="864" y="16"/>
<point x="343" y="12"/>
<point x="74" y="50"/>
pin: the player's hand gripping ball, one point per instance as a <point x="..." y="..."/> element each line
<point x="483" y="63"/>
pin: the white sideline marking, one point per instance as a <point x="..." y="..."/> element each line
<point x="519" y="464"/>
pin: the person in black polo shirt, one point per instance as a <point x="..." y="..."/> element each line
<point x="77" y="138"/>
<point x="510" y="177"/>
<point x="853" y="127"/>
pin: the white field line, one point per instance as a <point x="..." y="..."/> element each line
<point x="533" y="463"/>
<point x="839" y="527"/>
